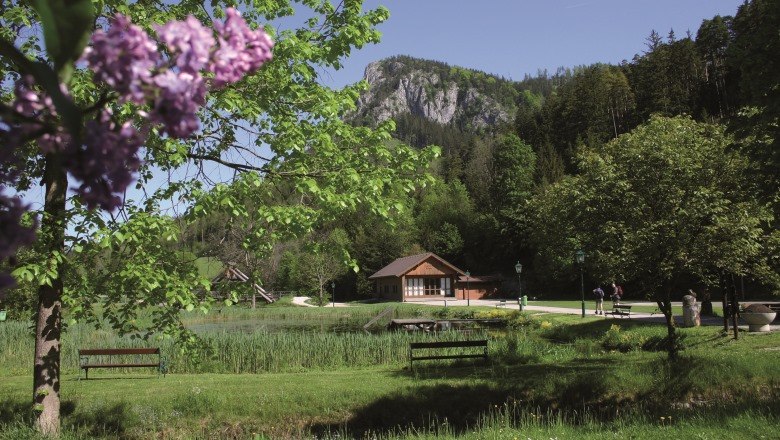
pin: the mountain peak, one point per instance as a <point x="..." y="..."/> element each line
<point x="445" y="94"/>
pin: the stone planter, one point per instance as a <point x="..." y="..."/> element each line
<point x="758" y="322"/>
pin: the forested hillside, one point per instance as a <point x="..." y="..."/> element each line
<point x="505" y="144"/>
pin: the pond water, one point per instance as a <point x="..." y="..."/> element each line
<point x="253" y="325"/>
<point x="323" y="325"/>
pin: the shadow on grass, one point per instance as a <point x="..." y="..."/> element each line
<point x="14" y="411"/>
<point x="460" y="406"/>
<point x="101" y="420"/>
<point x="98" y="422"/>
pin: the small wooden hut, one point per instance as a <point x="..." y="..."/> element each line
<point x="429" y="276"/>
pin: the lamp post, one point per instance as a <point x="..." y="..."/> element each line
<point x="580" y="257"/>
<point x="333" y="293"/>
<point x="468" y="291"/>
<point x="519" y="270"/>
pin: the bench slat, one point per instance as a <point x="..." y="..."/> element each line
<point x="448" y="344"/>
<point x="454" y="356"/>
<point x="118" y="365"/>
<point x="116" y="358"/>
<point x="117" y="351"/>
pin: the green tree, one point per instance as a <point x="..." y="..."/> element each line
<point x="753" y="54"/>
<point x="444" y="217"/>
<point x="278" y="125"/>
<point x="660" y="205"/>
<point x="712" y="41"/>
<point x="666" y="79"/>
<point x="511" y="189"/>
<point x="597" y="104"/>
<point x="318" y="262"/>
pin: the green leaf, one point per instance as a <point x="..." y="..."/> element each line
<point x="67" y="26"/>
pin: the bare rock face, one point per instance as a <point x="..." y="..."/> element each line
<point x="397" y="88"/>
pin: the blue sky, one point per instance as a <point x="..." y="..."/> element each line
<point x="515" y="37"/>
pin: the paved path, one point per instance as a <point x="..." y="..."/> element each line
<point x="590" y="311"/>
<point x="646" y="317"/>
<point x="301" y="301"/>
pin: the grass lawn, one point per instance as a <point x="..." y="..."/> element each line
<point x="552" y="376"/>
<point x="464" y="402"/>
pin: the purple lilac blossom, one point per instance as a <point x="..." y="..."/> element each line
<point x="123" y="57"/>
<point x="12" y="234"/>
<point x="241" y="50"/>
<point x="27" y="101"/>
<point x="37" y="111"/>
<point x="105" y="163"/>
<point x="6" y="281"/>
<point x="179" y="97"/>
<point x="190" y="41"/>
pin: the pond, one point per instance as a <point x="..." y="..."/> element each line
<point x="331" y="325"/>
<point x="270" y="325"/>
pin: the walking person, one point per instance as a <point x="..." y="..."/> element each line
<point x="617" y="294"/>
<point x="599" y="294"/>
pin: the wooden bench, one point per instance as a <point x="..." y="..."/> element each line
<point x="501" y="303"/>
<point x="119" y="358"/>
<point x="620" y="310"/>
<point x="430" y="346"/>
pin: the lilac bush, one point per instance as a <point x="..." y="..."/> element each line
<point x="190" y="40"/>
<point x="240" y="51"/>
<point x="123" y="58"/>
<point x="168" y="90"/>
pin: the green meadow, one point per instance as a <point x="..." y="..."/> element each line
<point x="287" y="372"/>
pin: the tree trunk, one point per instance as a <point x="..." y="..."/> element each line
<point x="734" y="307"/>
<point x="46" y="370"/>
<point x="665" y="305"/>
<point x="725" y="311"/>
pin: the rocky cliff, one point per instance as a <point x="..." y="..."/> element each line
<point x="466" y="98"/>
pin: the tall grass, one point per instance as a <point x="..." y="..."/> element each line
<point x="234" y="352"/>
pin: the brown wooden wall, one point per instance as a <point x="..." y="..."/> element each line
<point x="475" y="290"/>
<point x="430" y="267"/>
<point x="389" y="288"/>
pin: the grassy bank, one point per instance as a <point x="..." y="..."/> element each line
<point x="548" y="376"/>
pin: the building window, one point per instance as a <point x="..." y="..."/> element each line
<point x="428" y="286"/>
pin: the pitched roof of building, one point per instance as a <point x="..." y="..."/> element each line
<point x="404" y="264"/>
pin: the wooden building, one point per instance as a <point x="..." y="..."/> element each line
<point x="429" y="276"/>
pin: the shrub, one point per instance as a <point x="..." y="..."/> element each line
<point x="522" y="320"/>
<point x="442" y="313"/>
<point x="615" y="339"/>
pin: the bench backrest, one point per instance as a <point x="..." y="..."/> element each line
<point x="448" y="344"/>
<point x="622" y="306"/>
<point x="117" y="351"/>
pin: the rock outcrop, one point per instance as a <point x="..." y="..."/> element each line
<point x="432" y="90"/>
